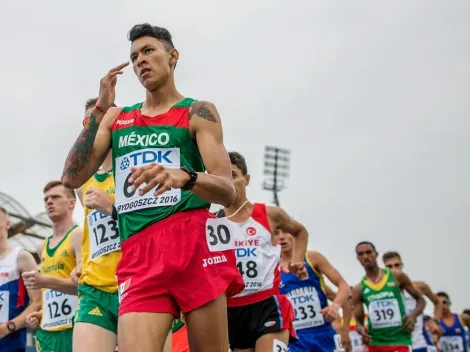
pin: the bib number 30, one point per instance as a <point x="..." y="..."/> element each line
<point x="219" y="235"/>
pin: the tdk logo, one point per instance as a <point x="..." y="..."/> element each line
<point x="143" y="157"/>
<point x="245" y="252"/>
<point x="302" y="299"/>
<point x="95" y="217"/>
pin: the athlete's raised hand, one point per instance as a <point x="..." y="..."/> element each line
<point x="97" y="199"/>
<point x="107" y="87"/>
<point x="330" y="313"/>
<point x="155" y="174"/>
<point x="34" y="319"/>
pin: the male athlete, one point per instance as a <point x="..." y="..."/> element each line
<point x="15" y="302"/>
<point x="60" y="254"/>
<point x="313" y="315"/>
<point x="454" y="338"/>
<point x="259" y="316"/>
<point x="421" y="339"/>
<point x="95" y="324"/>
<point x="95" y="327"/>
<point x="161" y="150"/>
<point x="389" y="326"/>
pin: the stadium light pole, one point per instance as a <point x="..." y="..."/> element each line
<point x="276" y="170"/>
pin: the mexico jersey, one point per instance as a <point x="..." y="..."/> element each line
<point x="58" y="309"/>
<point x="101" y="247"/>
<point x="13" y="299"/>
<point x="257" y="258"/>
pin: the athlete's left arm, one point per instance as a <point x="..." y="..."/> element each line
<point x="215" y="186"/>
<point x="282" y="220"/>
<point x="405" y="284"/>
<point x="426" y="290"/>
<point x="27" y="263"/>
<point x="323" y="266"/>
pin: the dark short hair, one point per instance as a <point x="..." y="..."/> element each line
<point x="366" y="242"/>
<point x="466" y="311"/>
<point x="239" y="161"/>
<point x="443" y="294"/>
<point x="147" y="30"/>
<point x="390" y="255"/>
<point x="52" y="184"/>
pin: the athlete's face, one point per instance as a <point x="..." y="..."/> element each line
<point x="152" y="63"/>
<point x="58" y="203"/>
<point x="445" y="304"/>
<point x="5" y="224"/>
<point x="240" y="181"/>
<point x="284" y="239"/>
<point x="367" y="256"/>
<point x="394" y="264"/>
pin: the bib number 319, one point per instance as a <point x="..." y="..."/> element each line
<point x="219" y="235"/>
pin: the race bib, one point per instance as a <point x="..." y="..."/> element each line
<point x="220" y="234"/>
<point x="58" y="309"/>
<point x="4" y="306"/>
<point x="250" y="265"/>
<point x="128" y="199"/>
<point x="279" y="346"/>
<point x="451" y="344"/>
<point x="356" y="342"/>
<point x="384" y="313"/>
<point x="307" y="308"/>
<point x="104" y="235"/>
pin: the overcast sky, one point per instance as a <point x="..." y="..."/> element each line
<point x="371" y="99"/>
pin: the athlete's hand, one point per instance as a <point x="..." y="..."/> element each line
<point x="364" y="332"/>
<point x="409" y="323"/>
<point x="296" y="268"/>
<point x="76" y="272"/>
<point x="330" y="313"/>
<point x="107" y="87"/>
<point x="97" y="199"/>
<point x="34" y="319"/>
<point x="345" y="340"/>
<point x="33" y="280"/>
<point x="434" y="328"/>
<point x="155" y="174"/>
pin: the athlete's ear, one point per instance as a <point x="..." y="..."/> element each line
<point x="72" y="204"/>
<point x="174" y="56"/>
<point x="247" y="180"/>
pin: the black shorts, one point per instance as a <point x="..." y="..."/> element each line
<point x="247" y="324"/>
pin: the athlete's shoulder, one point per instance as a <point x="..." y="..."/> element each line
<point x="203" y="109"/>
<point x="111" y="115"/>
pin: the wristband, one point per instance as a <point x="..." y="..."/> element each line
<point x="114" y="213"/>
<point x="100" y="109"/>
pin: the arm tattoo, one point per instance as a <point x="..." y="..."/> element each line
<point x="201" y="110"/>
<point x="80" y="153"/>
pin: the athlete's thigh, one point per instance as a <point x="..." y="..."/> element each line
<point x="168" y="347"/>
<point x="93" y="338"/>
<point x="207" y="327"/>
<point x="143" y="332"/>
<point x="266" y="342"/>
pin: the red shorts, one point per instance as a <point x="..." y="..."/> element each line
<point x="389" y="348"/>
<point x="161" y="269"/>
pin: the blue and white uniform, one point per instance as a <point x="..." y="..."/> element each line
<point x="13" y="300"/>
<point x="454" y="338"/>
<point x="308" y="298"/>
<point x="421" y="340"/>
